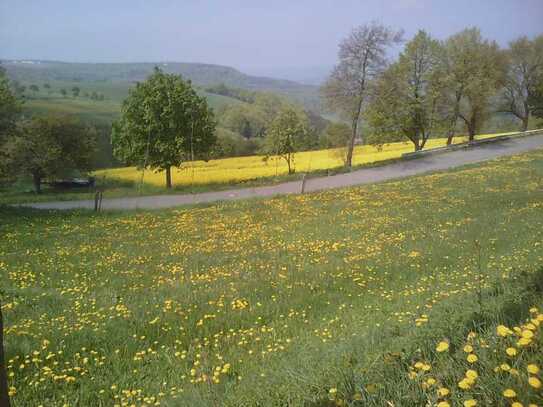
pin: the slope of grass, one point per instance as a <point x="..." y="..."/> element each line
<point x="100" y="112"/>
<point x="322" y="299"/>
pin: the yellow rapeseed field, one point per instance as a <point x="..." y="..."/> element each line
<point x="239" y="169"/>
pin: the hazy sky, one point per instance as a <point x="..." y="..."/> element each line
<point x="274" y="37"/>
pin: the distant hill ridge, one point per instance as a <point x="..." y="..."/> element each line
<point x="199" y="73"/>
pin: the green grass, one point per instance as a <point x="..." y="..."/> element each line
<point x="298" y="295"/>
<point x="98" y="112"/>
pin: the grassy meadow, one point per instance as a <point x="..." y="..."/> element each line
<point x="424" y="291"/>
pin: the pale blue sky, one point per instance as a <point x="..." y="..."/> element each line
<point x="260" y="37"/>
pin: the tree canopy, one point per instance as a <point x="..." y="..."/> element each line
<point x="10" y="107"/>
<point x="474" y="70"/>
<point x="51" y="147"/>
<point x="286" y="135"/>
<point x="407" y="97"/>
<point x="523" y="79"/>
<point x="362" y="58"/>
<point x="163" y="123"/>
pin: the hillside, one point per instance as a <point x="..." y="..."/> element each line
<point x="115" y="78"/>
<point x="345" y="297"/>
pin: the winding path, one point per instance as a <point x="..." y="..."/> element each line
<point x="428" y="163"/>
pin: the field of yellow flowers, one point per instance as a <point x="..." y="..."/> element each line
<point x="242" y="169"/>
<point x="423" y="292"/>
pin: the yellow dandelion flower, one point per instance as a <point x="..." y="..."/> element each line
<point x="534" y="382"/>
<point x="472" y="358"/>
<point x="524" y="341"/>
<point x="511" y="351"/>
<point x="509" y="393"/>
<point x="464" y="384"/>
<point x="502" y="330"/>
<point x="443" y="404"/>
<point x="443" y="391"/>
<point x="468" y="348"/>
<point x="532" y="368"/>
<point x="471" y="374"/>
<point x="442" y="346"/>
<point x="470" y="403"/>
<point x="526" y="333"/>
<point x="516" y="404"/>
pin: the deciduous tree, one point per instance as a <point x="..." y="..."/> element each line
<point x="524" y="75"/>
<point x="163" y="123"/>
<point x="362" y="57"/>
<point x="50" y="147"/>
<point x="75" y="91"/>
<point x="407" y="97"/>
<point x="473" y="70"/>
<point x="286" y="135"/>
<point x="10" y="108"/>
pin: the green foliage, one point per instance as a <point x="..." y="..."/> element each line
<point x="473" y="70"/>
<point x="10" y="108"/>
<point x="407" y="98"/>
<point x="75" y="91"/>
<point x="51" y="147"/>
<point x="34" y="88"/>
<point x="362" y="58"/>
<point x="163" y="123"/>
<point x="336" y="135"/>
<point x="231" y="144"/>
<point x="247" y="120"/>
<point x="236" y="93"/>
<point x="287" y="134"/>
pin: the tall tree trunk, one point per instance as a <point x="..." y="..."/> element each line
<point x="416" y="143"/>
<point x="288" y="159"/>
<point x="471" y="133"/>
<point x="4" y="398"/>
<point x="454" y="119"/>
<point x="472" y="127"/>
<point x="169" y="177"/>
<point x="36" y="179"/>
<point x="350" y="147"/>
<point x="525" y="123"/>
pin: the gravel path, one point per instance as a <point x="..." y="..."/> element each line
<point x="429" y="163"/>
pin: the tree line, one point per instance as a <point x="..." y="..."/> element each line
<point x="20" y="91"/>
<point x="434" y="87"/>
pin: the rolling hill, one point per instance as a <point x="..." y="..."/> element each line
<point x="114" y="79"/>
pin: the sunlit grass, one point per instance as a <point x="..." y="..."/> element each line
<point x="323" y="299"/>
